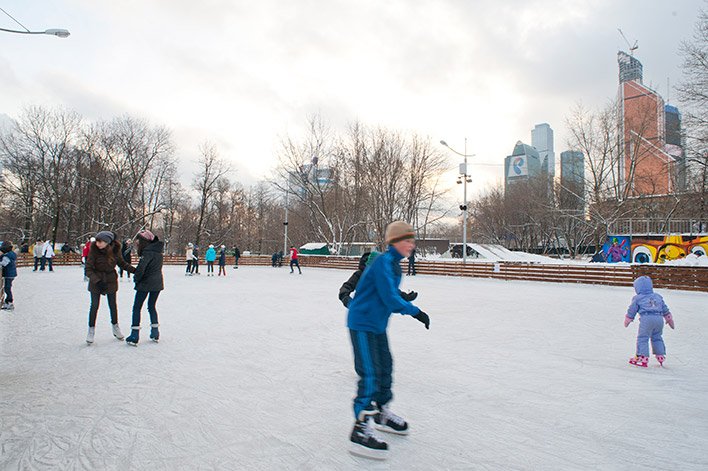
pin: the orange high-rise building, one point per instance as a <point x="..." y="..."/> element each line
<point x="645" y="167"/>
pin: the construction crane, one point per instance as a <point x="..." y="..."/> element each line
<point x="632" y="48"/>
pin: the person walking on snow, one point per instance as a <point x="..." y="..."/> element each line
<point x="101" y="263"/>
<point x="8" y="261"/>
<point x="653" y="312"/>
<point x="222" y="260"/>
<point x="210" y="257"/>
<point x="294" y="260"/>
<point x="377" y="297"/>
<point x="411" y="264"/>
<point x="47" y="255"/>
<point x="148" y="284"/>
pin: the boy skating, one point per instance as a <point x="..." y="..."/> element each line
<point x="377" y="296"/>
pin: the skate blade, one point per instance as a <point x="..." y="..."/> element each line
<point x="387" y="429"/>
<point x="132" y="344"/>
<point x="362" y="451"/>
<point x="156" y="340"/>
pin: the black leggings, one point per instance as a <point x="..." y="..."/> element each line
<point x="96" y="301"/>
<point x="140" y="297"/>
<point x="210" y="267"/>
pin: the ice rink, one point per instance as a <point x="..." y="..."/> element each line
<point x="255" y="371"/>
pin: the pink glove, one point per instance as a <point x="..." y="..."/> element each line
<point x="669" y="320"/>
<point x="627" y="321"/>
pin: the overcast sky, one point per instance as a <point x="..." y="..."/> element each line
<point x="244" y="73"/>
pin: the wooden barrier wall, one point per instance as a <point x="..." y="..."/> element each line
<point x="664" y="276"/>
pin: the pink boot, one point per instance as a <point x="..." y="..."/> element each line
<point x="660" y="359"/>
<point x="639" y="360"/>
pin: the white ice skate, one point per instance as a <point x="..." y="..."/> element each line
<point x="117" y="333"/>
<point x="90" y="335"/>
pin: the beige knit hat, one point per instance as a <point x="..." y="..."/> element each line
<point x="398" y="231"/>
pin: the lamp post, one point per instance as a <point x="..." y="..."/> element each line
<point x="463" y="178"/>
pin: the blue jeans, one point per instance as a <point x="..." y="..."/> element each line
<point x="650" y="327"/>
<point x="374" y="365"/>
<point x="140" y="297"/>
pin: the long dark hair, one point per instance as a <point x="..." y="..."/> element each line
<point x="142" y="243"/>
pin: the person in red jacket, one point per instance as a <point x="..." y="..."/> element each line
<point x="294" y="260"/>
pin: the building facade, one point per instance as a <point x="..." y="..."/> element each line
<point x="572" y="177"/>
<point x="645" y="167"/>
<point x="523" y="164"/>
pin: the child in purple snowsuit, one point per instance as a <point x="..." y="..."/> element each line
<point x="653" y="312"/>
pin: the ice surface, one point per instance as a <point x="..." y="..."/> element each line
<point x="255" y="371"/>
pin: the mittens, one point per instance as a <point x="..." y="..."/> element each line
<point x="627" y="321"/>
<point x="424" y="318"/>
<point x="669" y="319"/>
<point x="409" y="296"/>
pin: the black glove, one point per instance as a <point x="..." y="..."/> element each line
<point x="409" y="296"/>
<point x="424" y="318"/>
<point x="346" y="300"/>
<point x="102" y="286"/>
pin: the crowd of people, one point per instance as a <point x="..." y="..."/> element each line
<point x="210" y="257"/>
<point x="376" y="295"/>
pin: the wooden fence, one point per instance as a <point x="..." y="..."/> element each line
<point x="664" y="276"/>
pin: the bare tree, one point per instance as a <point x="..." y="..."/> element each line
<point x="212" y="170"/>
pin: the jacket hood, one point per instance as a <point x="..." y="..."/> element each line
<point x="643" y="285"/>
<point x="155" y="246"/>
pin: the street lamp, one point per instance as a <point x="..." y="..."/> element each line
<point x="60" y="33"/>
<point x="463" y="178"/>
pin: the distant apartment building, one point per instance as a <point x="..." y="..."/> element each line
<point x="645" y="165"/>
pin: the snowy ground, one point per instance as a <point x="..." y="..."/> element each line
<point x="255" y="372"/>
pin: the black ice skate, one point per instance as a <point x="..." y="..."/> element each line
<point x="387" y="421"/>
<point x="365" y="443"/>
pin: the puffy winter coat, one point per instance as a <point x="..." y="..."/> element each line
<point x="189" y="255"/>
<point x="377" y="295"/>
<point x="646" y="302"/>
<point x="210" y="255"/>
<point x="101" y="267"/>
<point x="38" y="250"/>
<point x="148" y="273"/>
<point x="9" y="264"/>
<point x="126" y="251"/>
<point x="222" y="257"/>
<point x="48" y="250"/>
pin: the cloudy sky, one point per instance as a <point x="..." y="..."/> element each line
<point x="243" y="74"/>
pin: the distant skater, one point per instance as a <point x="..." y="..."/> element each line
<point x="294" y="260"/>
<point x="222" y="260"/>
<point x="210" y="257"/>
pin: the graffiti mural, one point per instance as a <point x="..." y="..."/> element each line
<point x="658" y="249"/>
<point x="617" y="249"/>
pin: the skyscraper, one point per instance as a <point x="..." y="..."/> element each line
<point x="542" y="140"/>
<point x="674" y="144"/>
<point x="645" y="168"/>
<point x="572" y="180"/>
<point x="523" y="164"/>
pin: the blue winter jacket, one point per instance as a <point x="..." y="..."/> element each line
<point x="210" y="255"/>
<point x="9" y="264"/>
<point x="377" y="295"/>
<point x="646" y="302"/>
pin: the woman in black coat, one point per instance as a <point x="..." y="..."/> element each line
<point x="148" y="284"/>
